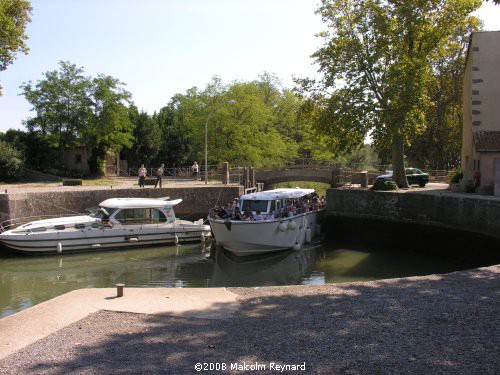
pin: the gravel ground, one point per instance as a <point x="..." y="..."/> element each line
<point x="444" y="324"/>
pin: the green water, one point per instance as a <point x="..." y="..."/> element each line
<point x="27" y="280"/>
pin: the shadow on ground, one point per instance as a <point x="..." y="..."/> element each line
<point x="435" y="324"/>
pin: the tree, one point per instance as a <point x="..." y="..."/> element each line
<point x="109" y="128"/>
<point x="439" y="145"/>
<point x="14" y="17"/>
<point x="147" y="138"/>
<point x="173" y="120"/>
<point x="11" y="162"/>
<point x="32" y="146"/>
<point x="61" y="104"/>
<point x="73" y="109"/>
<point x="376" y="63"/>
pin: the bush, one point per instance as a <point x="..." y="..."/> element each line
<point x="11" y="162"/>
<point x="455" y="176"/>
<point x="384" y="185"/>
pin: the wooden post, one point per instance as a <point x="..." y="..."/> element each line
<point x="252" y="177"/>
<point x="225" y="173"/>
<point x="119" y="290"/>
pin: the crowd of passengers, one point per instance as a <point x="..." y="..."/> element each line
<point x="291" y="207"/>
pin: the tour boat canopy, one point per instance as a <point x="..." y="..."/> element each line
<point x="276" y="194"/>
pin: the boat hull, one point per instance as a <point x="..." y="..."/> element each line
<point x="244" y="238"/>
<point x="102" y="238"/>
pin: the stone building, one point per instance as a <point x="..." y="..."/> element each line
<point x="76" y="158"/>
<point x="481" y="116"/>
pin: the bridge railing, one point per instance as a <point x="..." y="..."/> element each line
<point x="348" y="172"/>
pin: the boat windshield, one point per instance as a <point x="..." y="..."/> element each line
<point x="103" y="213"/>
<point x="254" y="205"/>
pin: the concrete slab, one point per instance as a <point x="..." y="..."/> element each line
<point x="30" y="325"/>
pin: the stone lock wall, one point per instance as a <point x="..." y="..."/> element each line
<point x="195" y="200"/>
<point x="466" y="212"/>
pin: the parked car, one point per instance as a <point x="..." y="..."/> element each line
<point x="414" y="176"/>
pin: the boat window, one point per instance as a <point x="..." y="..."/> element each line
<point x="140" y="216"/>
<point x="101" y="213"/>
<point x="255" y="205"/>
<point x="59" y="227"/>
<point x="157" y="216"/>
<point x="79" y="226"/>
<point x="38" y="229"/>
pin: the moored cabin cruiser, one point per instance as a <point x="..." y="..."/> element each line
<point x="118" y="223"/>
<point x="267" y="221"/>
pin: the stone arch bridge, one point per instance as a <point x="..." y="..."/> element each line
<point x="303" y="173"/>
<point x="333" y="175"/>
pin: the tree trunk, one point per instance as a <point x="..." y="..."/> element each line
<point x="398" y="163"/>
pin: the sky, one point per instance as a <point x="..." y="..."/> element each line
<point x="159" y="48"/>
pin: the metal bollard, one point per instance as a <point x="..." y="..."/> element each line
<point x="119" y="290"/>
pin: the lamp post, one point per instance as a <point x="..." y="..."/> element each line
<point x="206" y="136"/>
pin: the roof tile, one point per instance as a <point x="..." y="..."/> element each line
<point x="485" y="141"/>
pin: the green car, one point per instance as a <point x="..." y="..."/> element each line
<point x="414" y="176"/>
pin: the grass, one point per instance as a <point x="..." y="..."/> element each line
<point x="100" y="182"/>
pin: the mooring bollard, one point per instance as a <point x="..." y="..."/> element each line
<point x="119" y="290"/>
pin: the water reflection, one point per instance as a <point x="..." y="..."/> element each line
<point x="26" y="281"/>
<point x="284" y="268"/>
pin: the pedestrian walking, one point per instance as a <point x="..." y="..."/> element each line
<point x="196" y="170"/>
<point x="142" y="176"/>
<point x="159" y="176"/>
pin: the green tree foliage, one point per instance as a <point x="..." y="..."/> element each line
<point x="73" y="109"/>
<point x="11" y="162"/>
<point x="14" y="17"/>
<point x="147" y="136"/>
<point x="109" y="128"/>
<point x="176" y="140"/>
<point x="62" y="105"/>
<point x="265" y="126"/>
<point x="34" y="148"/>
<point x="376" y="62"/>
<point x="439" y="145"/>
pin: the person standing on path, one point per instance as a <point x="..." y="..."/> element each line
<point x="196" y="170"/>
<point x="142" y="176"/>
<point x="159" y="176"/>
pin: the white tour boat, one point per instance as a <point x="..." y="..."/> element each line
<point x="118" y="223"/>
<point x="267" y="221"/>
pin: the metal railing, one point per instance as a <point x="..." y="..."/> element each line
<point x="348" y="171"/>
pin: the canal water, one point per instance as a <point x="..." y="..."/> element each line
<point x="28" y="280"/>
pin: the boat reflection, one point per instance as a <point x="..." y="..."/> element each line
<point x="290" y="267"/>
<point x="27" y="281"/>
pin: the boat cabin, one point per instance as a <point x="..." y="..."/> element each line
<point x="129" y="211"/>
<point x="277" y="201"/>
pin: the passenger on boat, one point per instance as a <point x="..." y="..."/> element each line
<point x="258" y="216"/>
<point x="237" y="214"/>
<point x="248" y="215"/>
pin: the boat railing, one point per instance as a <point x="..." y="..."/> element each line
<point x="221" y="214"/>
<point x="14" y="223"/>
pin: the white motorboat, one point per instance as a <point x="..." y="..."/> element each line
<point x="267" y="221"/>
<point x="118" y="223"/>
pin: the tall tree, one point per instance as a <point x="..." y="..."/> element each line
<point x="110" y="128"/>
<point x="376" y="63"/>
<point x="14" y="17"/>
<point x="147" y="137"/>
<point x="439" y="145"/>
<point x="73" y="109"/>
<point x="61" y="103"/>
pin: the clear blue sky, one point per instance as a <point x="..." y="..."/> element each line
<point x="163" y="47"/>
